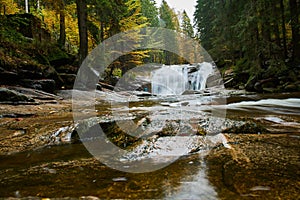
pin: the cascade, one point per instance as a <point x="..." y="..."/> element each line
<point x="175" y="79"/>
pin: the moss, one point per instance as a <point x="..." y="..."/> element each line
<point x="247" y="128"/>
<point x="201" y="131"/>
<point x="117" y="136"/>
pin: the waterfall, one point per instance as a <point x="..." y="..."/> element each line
<point x="175" y="79"/>
<point x="168" y="80"/>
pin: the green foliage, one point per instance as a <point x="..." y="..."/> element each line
<point x="18" y="51"/>
<point x="186" y="25"/>
<point x="117" y="72"/>
<point x="150" y="11"/>
<point x="166" y="15"/>
<point x="169" y="20"/>
<point x="105" y="18"/>
<point x="254" y="35"/>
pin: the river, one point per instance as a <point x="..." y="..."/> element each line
<point x="257" y="160"/>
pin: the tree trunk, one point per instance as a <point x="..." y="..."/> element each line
<point x="26" y="6"/>
<point x="266" y="27"/>
<point x="295" y="29"/>
<point x="38" y="4"/>
<point x="102" y="31"/>
<point x="62" y="25"/>
<point x="283" y="29"/>
<point x="276" y="25"/>
<point x="82" y="25"/>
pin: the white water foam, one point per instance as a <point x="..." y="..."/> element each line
<point x="175" y="79"/>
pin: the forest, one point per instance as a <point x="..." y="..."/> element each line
<point x="259" y="40"/>
<point x="255" y="44"/>
<point x="218" y="122"/>
<point x="79" y="26"/>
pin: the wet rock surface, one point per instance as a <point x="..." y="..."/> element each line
<point x="7" y="95"/>
<point x="38" y="122"/>
<point x="258" y="166"/>
<point x="41" y="157"/>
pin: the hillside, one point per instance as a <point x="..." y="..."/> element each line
<point x="30" y="58"/>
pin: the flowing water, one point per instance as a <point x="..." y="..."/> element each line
<point x="175" y="79"/>
<point x="69" y="170"/>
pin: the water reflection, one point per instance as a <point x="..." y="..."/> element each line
<point x="55" y="172"/>
<point x="195" y="187"/>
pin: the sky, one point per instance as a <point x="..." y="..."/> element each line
<point x="180" y="5"/>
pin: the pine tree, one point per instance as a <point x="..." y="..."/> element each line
<point x="186" y="25"/>
<point x="150" y="11"/>
<point x="169" y="20"/>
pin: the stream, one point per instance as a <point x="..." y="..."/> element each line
<point x="218" y="144"/>
<point x="69" y="170"/>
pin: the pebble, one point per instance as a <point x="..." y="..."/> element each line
<point x="19" y="132"/>
<point x="120" y="179"/>
<point x="51" y="171"/>
<point x="260" y="188"/>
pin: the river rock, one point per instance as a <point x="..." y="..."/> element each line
<point x="69" y="80"/>
<point x="190" y="92"/>
<point x="47" y="85"/>
<point x="7" y="77"/>
<point x="269" y="90"/>
<point x="291" y="87"/>
<point x="106" y="86"/>
<point x="7" y="95"/>
<point x="214" y="80"/>
<point x="229" y="82"/>
<point x="142" y="94"/>
<point x="251" y="84"/>
<point x="67" y="69"/>
<point x="49" y="72"/>
<point x="247" y="128"/>
<point x="269" y="83"/>
<point x="30" y="74"/>
<point x="35" y="94"/>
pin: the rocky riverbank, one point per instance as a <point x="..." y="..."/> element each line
<point x="285" y="81"/>
<point x="262" y="161"/>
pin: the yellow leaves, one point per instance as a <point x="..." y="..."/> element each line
<point x="51" y="19"/>
<point x="72" y="31"/>
<point x="10" y="6"/>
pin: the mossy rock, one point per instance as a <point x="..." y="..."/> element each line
<point x="117" y="136"/>
<point x="247" y="128"/>
<point x="7" y="95"/>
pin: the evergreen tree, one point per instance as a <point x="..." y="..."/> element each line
<point x="186" y="25"/>
<point x="254" y="36"/>
<point x="166" y="16"/>
<point x="295" y="13"/>
<point x="169" y="20"/>
<point x="150" y="11"/>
